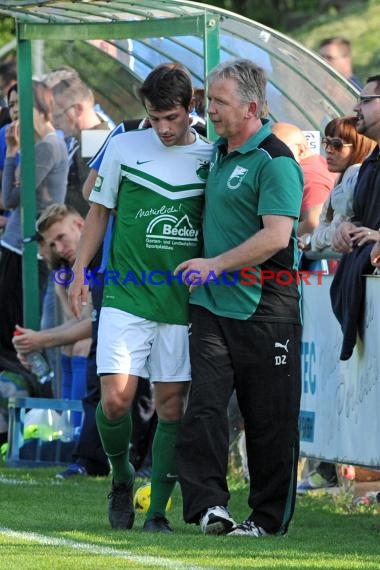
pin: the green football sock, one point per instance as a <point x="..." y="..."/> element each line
<point x="115" y="437"/>
<point x="164" y="469"/>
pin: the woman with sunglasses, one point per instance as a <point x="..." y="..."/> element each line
<point x="345" y="151"/>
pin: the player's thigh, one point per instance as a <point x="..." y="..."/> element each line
<point x="124" y="343"/>
<point x="169" y="359"/>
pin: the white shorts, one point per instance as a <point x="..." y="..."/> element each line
<point x="132" y="345"/>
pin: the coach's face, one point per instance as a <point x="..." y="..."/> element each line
<point x="229" y="115"/>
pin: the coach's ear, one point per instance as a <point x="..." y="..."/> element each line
<point x="251" y="110"/>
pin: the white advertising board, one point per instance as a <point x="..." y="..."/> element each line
<point x="340" y="419"/>
<point x="314" y="141"/>
<point x="91" y="141"/>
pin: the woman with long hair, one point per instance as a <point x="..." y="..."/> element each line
<point x="50" y="185"/>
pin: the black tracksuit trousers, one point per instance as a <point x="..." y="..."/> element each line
<point x="262" y="361"/>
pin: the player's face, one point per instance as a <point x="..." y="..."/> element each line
<point x="171" y="126"/>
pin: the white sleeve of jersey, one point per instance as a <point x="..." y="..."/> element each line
<point x="108" y="180"/>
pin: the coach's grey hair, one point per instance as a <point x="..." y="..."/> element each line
<point x="250" y="80"/>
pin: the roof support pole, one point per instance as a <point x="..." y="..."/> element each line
<point x="211" y="55"/>
<point x="28" y="190"/>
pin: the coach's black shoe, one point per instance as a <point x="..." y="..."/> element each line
<point x="157" y="524"/>
<point x="121" y="512"/>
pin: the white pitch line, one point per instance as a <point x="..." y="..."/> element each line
<point x="28" y="482"/>
<point x="152" y="561"/>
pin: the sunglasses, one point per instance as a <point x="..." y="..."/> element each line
<point x="367" y="98"/>
<point x="334" y="142"/>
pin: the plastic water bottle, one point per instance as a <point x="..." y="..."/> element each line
<point x="47" y="425"/>
<point x="38" y="364"/>
<point x="66" y="426"/>
<point x="40" y="367"/>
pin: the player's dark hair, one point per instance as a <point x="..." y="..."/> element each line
<point x="167" y="86"/>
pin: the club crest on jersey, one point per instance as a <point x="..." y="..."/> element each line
<point x="98" y="183"/>
<point x="203" y="168"/>
<point x="236" y="178"/>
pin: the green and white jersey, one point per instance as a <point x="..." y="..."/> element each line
<point x="158" y="193"/>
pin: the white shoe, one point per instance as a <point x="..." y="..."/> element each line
<point x="216" y="520"/>
<point x="248" y="528"/>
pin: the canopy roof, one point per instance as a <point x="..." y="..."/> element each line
<point x="134" y="36"/>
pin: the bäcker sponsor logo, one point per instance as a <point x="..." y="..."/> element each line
<point x="166" y="231"/>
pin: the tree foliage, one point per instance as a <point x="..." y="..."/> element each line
<point x="7" y="29"/>
<point x="280" y="14"/>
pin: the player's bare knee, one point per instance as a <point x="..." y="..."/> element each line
<point x="115" y="407"/>
<point x="171" y="408"/>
